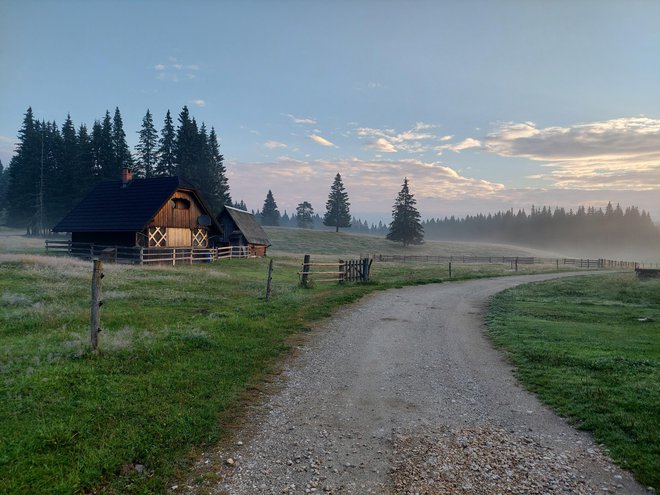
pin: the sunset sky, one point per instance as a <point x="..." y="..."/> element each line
<point x="483" y="105"/>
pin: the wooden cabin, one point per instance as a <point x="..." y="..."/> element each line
<point x="154" y="212"/>
<point x="240" y="228"/>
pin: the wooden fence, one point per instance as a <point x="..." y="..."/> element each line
<point x="512" y="260"/>
<point x="143" y="255"/>
<point x="334" y="271"/>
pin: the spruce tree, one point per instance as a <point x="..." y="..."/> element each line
<point x="305" y="215"/>
<point x="166" y="164"/>
<point x="106" y="158"/>
<point x="269" y="213"/>
<point x="218" y="172"/>
<point x="122" y="154"/>
<point x="186" y="148"/>
<point x="337" y="212"/>
<point x="24" y="172"/>
<point x="147" y="147"/>
<point x="406" y="226"/>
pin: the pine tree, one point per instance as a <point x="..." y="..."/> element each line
<point x="240" y="205"/>
<point x="269" y="213"/>
<point x="186" y="148"/>
<point x="218" y="172"/>
<point x="304" y="215"/>
<point x="167" y="147"/>
<point x="122" y="156"/>
<point x="147" y="147"/>
<point x="24" y="173"/>
<point x="337" y="212"/>
<point x="406" y="226"/>
<point x="106" y="157"/>
<point x="85" y="163"/>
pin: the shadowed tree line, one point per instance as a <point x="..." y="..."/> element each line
<point x="55" y="167"/>
<point x="585" y="228"/>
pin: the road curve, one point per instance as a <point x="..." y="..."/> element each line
<point x="401" y="393"/>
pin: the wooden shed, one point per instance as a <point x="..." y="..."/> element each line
<point x="154" y="212"/>
<point x="240" y="228"/>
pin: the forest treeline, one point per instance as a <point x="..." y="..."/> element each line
<point x="587" y="228"/>
<point x="55" y="167"/>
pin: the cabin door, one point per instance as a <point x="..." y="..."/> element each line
<point x="179" y="237"/>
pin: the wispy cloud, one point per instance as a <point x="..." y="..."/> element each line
<point x="199" y="102"/>
<point x="175" y="71"/>
<point x="372" y="184"/>
<point x="460" y="146"/>
<point x="391" y="141"/>
<point x="614" y="154"/>
<point x="301" y="120"/>
<point x="273" y="145"/>
<point x="382" y="145"/>
<point x="321" y="140"/>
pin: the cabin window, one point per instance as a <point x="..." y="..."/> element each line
<point x="180" y="204"/>
<point x="200" y="238"/>
<point x="157" y="237"/>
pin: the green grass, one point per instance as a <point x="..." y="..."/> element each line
<point x="590" y="348"/>
<point x="180" y="349"/>
<point x="287" y="240"/>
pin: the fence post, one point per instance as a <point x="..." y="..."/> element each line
<point x="97" y="275"/>
<point x="450" y="269"/>
<point x="270" y="277"/>
<point x="365" y="270"/>
<point x="557" y="264"/>
<point x="516" y="263"/>
<point x="342" y="271"/>
<point x="304" y="280"/>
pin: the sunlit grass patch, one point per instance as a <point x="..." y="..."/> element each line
<point x="590" y="348"/>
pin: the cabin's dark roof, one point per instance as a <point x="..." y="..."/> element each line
<point x="111" y="207"/>
<point x="248" y="225"/>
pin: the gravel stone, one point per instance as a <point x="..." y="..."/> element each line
<point x="401" y="393"/>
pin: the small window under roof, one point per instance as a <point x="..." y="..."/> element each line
<point x="180" y="204"/>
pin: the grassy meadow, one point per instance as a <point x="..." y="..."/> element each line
<point x="590" y="348"/>
<point x="180" y="349"/>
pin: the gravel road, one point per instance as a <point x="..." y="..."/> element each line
<point x="402" y="394"/>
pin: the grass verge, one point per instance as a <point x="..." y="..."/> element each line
<point x="590" y="348"/>
<point x="179" y="347"/>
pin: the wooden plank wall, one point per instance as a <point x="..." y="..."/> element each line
<point x="178" y="218"/>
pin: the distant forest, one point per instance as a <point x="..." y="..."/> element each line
<point x="586" y="228"/>
<point x="55" y="167"/>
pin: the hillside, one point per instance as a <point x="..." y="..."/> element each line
<point x="299" y="241"/>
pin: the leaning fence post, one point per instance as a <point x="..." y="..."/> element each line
<point x="270" y="278"/>
<point x="304" y="280"/>
<point x="97" y="275"/>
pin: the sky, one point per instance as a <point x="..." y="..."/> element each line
<point x="482" y="105"/>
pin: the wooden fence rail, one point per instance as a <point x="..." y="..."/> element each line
<point x="338" y="271"/>
<point x="143" y="255"/>
<point x="517" y="260"/>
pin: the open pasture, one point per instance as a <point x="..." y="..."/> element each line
<point x="180" y="349"/>
<point x="590" y="348"/>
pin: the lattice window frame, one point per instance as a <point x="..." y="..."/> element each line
<point x="157" y="237"/>
<point x="200" y="238"/>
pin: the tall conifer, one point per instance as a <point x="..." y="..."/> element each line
<point x="166" y="164"/>
<point x="406" y="226"/>
<point x="147" y="147"/>
<point x="270" y="215"/>
<point x="337" y="207"/>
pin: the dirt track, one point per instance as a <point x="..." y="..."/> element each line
<point x="401" y="393"/>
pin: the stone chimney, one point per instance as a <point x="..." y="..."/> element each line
<point x="126" y="176"/>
